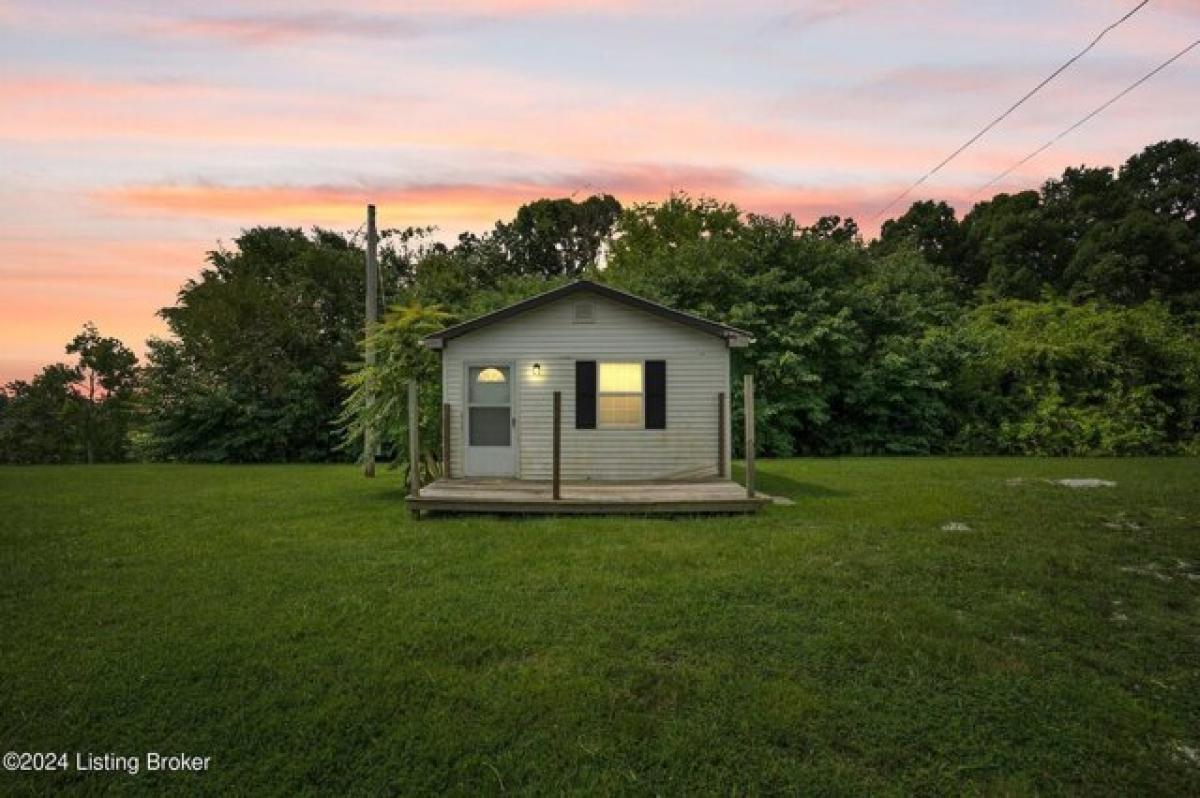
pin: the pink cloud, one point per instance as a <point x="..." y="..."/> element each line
<point x="57" y="88"/>
<point x="477" y="205"/>
<point x="546" y="121"/>
<point x="267" y="29"/>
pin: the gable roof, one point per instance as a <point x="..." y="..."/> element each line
<point x="733" y="335"/>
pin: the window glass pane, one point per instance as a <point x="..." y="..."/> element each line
<point x="489" y="385"/>
<point x="620" y="378"/>
<point x="488" y="426"/>
<point x="620" y="411"/>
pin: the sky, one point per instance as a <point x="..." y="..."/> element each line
<point x="137" y="135"/>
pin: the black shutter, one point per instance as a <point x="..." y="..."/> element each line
<point x="656" y="394"/>
<point x="585" y="394"/>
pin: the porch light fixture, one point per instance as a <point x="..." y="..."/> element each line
<point x="537" y="369"/>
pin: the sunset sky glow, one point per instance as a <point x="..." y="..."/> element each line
<point x="136" y="135"/>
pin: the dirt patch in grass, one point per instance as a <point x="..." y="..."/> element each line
<point x="1181" y="569"/>
<point x="1071" y="482"/>
<point x="1187" y="753"/>
<point x="1149" y="569"/>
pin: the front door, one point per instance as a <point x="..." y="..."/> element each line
<point x="491" y="449"/>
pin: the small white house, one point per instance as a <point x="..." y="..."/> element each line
<point x="644" y="389"/>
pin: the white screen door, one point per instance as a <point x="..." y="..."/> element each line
<point x="491" y="449"/>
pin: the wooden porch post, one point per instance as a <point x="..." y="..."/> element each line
<point x="446" y="440"/>
<point x="414" y="442"/>
<point x="556" y="483"/>
<point x="370" y="442"/>
<point x="748" y="408"/>
<point x="721" y="433"/>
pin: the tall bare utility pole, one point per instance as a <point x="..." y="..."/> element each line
<point x="372" y="314"/>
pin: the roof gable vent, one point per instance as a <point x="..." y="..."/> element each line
<point x="585" y="312"/>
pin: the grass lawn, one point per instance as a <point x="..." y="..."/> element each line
<point x="293" y="624"/>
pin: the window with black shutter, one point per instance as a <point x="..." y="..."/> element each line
<point x="620" y="395"/>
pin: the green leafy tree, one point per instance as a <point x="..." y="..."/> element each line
<point x="260" y="340"/>
<point x="1082" y="198"/>
<point x="895" y="401"/>
<point x="833" y="327"/>
<point x="933" y="231"/>
<point x="1013" y="249"/>
<point x="549" y="239"/>
<point x="1138" y="257"/>
<point x="40" y="420"/>
<point x="1090" y="235"/>
<point x="835" y="228"/>
<point x="378" y="394"/>
<point x="71" y="413"/>
<point x="108" y="371"/>
<point x="685" y="252"/>
<point x="1056" y="378"/>
<point x="1164" y="178"/>
<point x="191" y="411"/>
<point x="557" y="237"/>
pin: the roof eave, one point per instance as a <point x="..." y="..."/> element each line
<point x="739" y="340"/>
<point x="734" y="336"/>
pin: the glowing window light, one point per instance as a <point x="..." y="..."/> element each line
<point x="620" y="378"/>
<point x="619" y="395"/>
<point x="491" y="374"/>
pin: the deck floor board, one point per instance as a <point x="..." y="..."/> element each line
<point x="524" y="496"/>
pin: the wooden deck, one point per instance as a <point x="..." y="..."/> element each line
<point x="599" y="498"/>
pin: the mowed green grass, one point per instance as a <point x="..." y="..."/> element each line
<point x="296" y="626"/>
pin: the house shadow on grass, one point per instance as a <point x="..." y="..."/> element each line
<point x="777" y="485"/>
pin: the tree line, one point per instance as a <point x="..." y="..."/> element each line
<point x="1063" y="320"/>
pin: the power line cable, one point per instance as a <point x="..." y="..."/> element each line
<point x="1085" y="119"/>
<point x="1010" y="109"/>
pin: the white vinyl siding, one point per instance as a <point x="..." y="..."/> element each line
<point x="697" y="370"/>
